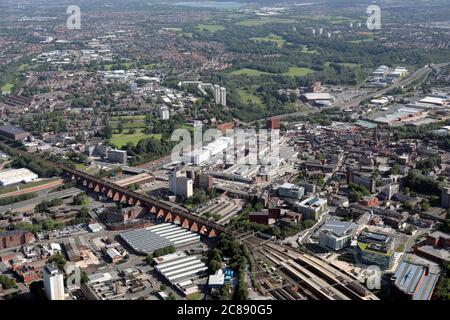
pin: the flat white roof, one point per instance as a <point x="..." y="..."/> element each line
<point x="318" y="96"/>
<point x="434" y="100"/>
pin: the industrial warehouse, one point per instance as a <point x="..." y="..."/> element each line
<point x="180" y="270"/>
<point x="13" y="176"/>
<point x="145" y="241"/>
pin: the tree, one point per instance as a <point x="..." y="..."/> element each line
<point x="108" y="132"/>
<point x="395" y="169"/>
<point x="214" y="265"/>
<point x="149" y="259"/>
<point x="425" y="206"/>
<point x="120" y="127"/>
<point x="81" y="199"/>
<point x="419" y="183"/>
<point x="83" y="277"/>
<point x="7" y="282"/>
<point x="163" y="287"/>
<point x="225" y="292"/>
<point x="58" y="260"/>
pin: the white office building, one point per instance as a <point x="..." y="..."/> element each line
<point x="336" y="235"/>
<point x="180" y="185"/>
<point x="312" y="208"/>
<point x="164" y="112"/>
<point x="223" y="97"/>
<point x="216" y="93"/>
<point x="53" y="282"/>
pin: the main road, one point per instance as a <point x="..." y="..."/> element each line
<point x="376" y="94"/>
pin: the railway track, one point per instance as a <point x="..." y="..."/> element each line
<point x="312" y="277"/>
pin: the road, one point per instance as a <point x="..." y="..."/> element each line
<point x="25" y="205"/>
<point x="49" y="185"/>
<point x="355" y="102"/>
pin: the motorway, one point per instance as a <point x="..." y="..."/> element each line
<point x="355" y="102"/>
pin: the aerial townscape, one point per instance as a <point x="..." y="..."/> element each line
<point x="224" y="150"/>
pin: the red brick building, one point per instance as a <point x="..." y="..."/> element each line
<point x="370" y="201"/>
<point x="273" y="123"/>
<point x="14" y="238"/>
<point x="438" y="239"/>
<point x="259" y="217"/>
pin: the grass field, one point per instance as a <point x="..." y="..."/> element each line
<point x="107" y="67"/>
<point x="80" y="166"/>
<point x="292" y="72"/>
<point x="298" y="72"/>
<point x="23" y="67"/>
<point x="305" y="49"/>
<point x="210" y="27"/>
<point x="248" y="72"/>
<point x="264" y="20"/>
<point x="279" y="41"/>
<point x="7" y="87"/>
<point x="118" y="118"/>
<point x="128" y="125"/>
<point x="247" y="96"/>
<point x="120" y="140"/>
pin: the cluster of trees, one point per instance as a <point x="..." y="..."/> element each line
<point x="59" y="260"/>
<point x="428" y="164"/>
<point x="158" y="253"/>
<point x="45" y="122"/>
<point x="442" y="291"/>
<point x="46" y="204"/>
<point x="239" y="261"/>
<point x="41" y="168"/>
<point x="356" y="192"/>
<point x="419" y="183"/>
<point x="215" y="260"/>
<point x="149" y="149"/>
<point x="200" y="196"/>
<point x="445" y="226"/>
<point x="81" y="199"/>
<point x="46" y="225"/>
<point x="7" y="283"/>
<point x="102" y="173"/>
<point x="280" y="231"/>
<point x="22" y="197"/>
<point x="82" y="216"/>
<point x="209" y="215"/>
<point x="163" y="251"/>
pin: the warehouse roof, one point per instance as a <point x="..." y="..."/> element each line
<point x="339" y="228"/>
<point x="145" y="241"/>
<point x="414" y="280"/>
<point x="7" y="128"/>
